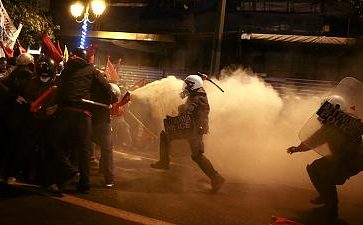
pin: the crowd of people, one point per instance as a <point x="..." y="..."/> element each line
<point x="50" y="114"/>
<point x="49" y="122"/>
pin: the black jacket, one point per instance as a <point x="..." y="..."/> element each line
<point x="11" y="87"/>
<point x="16" y="81"/>
<point x="101" y="114"/>
<point x="76" y="83"/>
<point x="34" y="89"/>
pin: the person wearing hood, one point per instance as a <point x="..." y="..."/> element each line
<point x="14" y="111"/>
<point x="72" y="125"/>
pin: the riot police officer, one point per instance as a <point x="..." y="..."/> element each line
<point x="35" y="127"/>
<point x="344" y="160"/>
<point x="198" y="107"/>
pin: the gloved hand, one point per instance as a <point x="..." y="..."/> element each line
<point x="182" y="109"/>
<point x="203" y="130"/>
<point x="21" y="100"/>
<point x="300" y="148"/>
<point x="51" y="110"/>
<point x="200" y="130"/>
<point x="293" y="149"/>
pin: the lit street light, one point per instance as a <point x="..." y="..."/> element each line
<point x="82" y="15"/>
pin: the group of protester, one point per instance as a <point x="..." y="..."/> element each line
<point x="48" y="122"/>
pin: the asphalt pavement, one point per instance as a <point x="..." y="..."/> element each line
<point x="142" y="195"/>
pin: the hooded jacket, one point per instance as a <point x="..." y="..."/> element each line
<point x="76" y="83"/>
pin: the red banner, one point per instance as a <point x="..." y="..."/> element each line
<point x="38" y="103"/>
<point x="9" y="53"/>
<point x="278" y="220"/>
<point x="50" y="50"/>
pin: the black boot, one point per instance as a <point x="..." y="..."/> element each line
<point x="217" y="183"/>
<point x="318" y="200"/>
<point x="162" y="165"/>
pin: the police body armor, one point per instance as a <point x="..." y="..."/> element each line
<point x="331" y="122"/>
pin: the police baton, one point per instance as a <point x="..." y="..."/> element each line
<point x="95" y="103"/>
<point x="205" y="77"/>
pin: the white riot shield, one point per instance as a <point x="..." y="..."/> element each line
<point x="346" y="119"/>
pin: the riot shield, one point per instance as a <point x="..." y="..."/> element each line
<point x="179" y="127"/>
<point x="346" y="117"/>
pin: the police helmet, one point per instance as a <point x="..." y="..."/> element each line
<point x="337" y="101"/>
<point x="193" y="82"/>
<point x="45" y="67"/>
<point x="25" y="59"/>
<point x="116" y="90"/>
<point x="79" y="52"/>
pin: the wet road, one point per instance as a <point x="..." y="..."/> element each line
<point x="178" y="196"/>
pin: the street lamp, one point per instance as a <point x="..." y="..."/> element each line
<point x="82" y="15"/>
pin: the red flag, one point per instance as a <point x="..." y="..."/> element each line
<point x="117" y="109"/>
<point x="117" y="65"/>
<point x="50" y="50"/>
<point x="124" y="100"/>
<point x="278" y="220"/>
<point x="37" y="104"/>
<point x="139" y="84"/>
<point x="20" y="47"/>
<point x="110" y="71"/>
<point x="9" y="53"/>
<point x="59" y="48"/>
<point x="91" y="49"/>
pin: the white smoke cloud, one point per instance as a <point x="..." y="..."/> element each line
<point x="163" y="94"/>
<point x="251" y="127"/>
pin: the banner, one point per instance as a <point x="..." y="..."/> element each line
<point x="9" y="33"/>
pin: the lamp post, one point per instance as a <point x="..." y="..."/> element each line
<point x="87" y="14"/>
<point x="218" y="37"/>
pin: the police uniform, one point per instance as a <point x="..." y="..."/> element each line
<point x="198" y="107"/>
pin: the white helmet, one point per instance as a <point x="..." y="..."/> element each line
<point x="24" y="59"/>
<point x="193" y="82"/>
<point x="337" y="100"/>
<point x="116" y="90"/>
